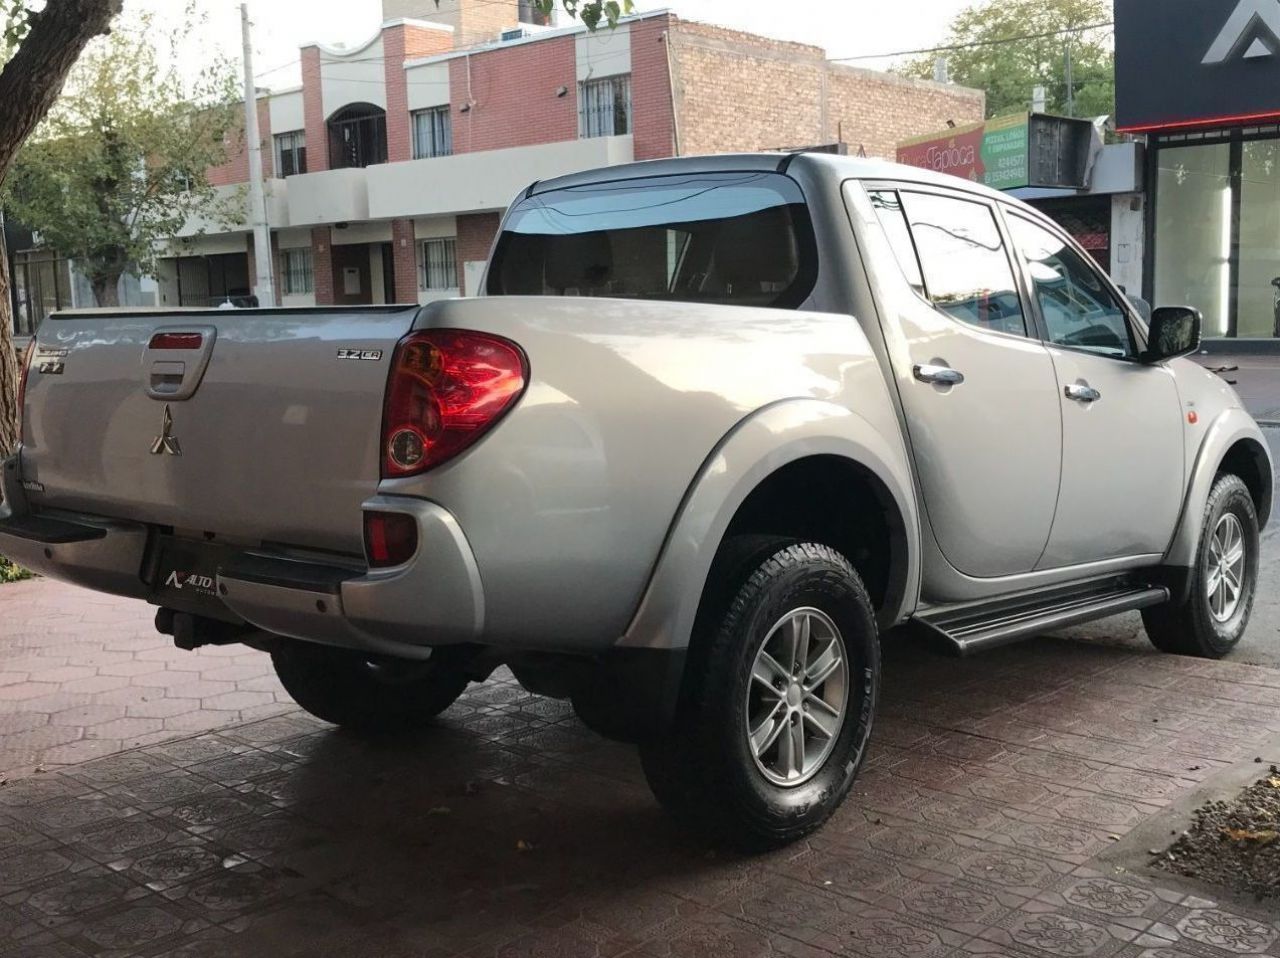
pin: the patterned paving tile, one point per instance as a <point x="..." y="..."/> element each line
<point x="508" y="831"/>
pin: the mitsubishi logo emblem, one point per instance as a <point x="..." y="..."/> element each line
<point x="166" y="442"/>
<point x="1256" y="19"/>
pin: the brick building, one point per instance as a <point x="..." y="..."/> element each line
<point x="388" y="168"/>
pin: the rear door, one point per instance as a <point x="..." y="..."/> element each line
<point x="979" y="392"/>
<point x="1122" y="429"/>
<point x="259" y="424"/>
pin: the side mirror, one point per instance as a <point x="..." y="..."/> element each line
<point x="1174" y="331"/>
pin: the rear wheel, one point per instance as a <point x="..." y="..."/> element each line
<point x="1210" y="622"/>
<point x="781" y="699"/>
<point x="364" y="693"/>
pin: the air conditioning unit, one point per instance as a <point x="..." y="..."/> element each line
<point x="516" y="33"/>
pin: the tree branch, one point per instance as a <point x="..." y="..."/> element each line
<point x="32" y="80"/>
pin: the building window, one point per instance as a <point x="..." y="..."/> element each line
<point x="357" y="137"/>
<point x="604" y="107"/>
<point x="437" y="264"/>
<point x="297" y="267"/>
<point x="291" y="153"/>
<point x="432" y="133"/>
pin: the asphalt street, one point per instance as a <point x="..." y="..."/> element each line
<point x="1261" y="644"/>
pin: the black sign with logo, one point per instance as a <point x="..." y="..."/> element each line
<point x="1193" y="63"/>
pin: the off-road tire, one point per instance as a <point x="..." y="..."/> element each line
<point x="704" y="771"/>
<point x="369" y="696"/>
<point x="1189" y="627"/>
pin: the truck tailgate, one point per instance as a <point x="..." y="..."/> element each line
<point x="277" y="441"/>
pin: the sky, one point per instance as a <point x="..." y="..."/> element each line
<point x="845" y="28"/>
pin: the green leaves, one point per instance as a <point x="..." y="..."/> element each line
<point x="1009" y="47"/>
<point x="16" y="16"/>
<point x="119" y="165"/>
<point x="590" y="12"/>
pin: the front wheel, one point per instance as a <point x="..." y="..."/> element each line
<point x="782" y="694"/>
<point x="1210" y="622"/>
<point x="364" y="693"/>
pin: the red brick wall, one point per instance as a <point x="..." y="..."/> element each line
<point x="405" y="260"/>
<point x="398" y="144"/>
<point x="322" y="263"/>
<point x="877" y="111"/>
<point x="236" y="168"/>
<point x="652" y="122"/>
<point x="738" y="91"/>
<point x="313" y="111"/>
<point x="425" y="42"/>
<point x="513" y="92"/>
<point x="398" y="44"/>
<point x="476" y="233"/>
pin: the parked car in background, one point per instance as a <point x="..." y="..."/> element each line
<point x="715" y="427"/>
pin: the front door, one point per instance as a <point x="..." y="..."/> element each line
<point x="1123" y="455"/>
<point x="352" y="285"/>
<point x="979" y="393"/>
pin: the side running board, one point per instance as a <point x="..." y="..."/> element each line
<point x="974" y="627"/>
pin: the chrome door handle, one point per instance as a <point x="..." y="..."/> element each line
<point x="938" y="375"/>
<point x="1082" y="393"/>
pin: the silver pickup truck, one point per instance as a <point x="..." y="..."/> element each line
<point x="715" y="425"/>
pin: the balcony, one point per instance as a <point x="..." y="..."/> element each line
<point x="333" y="196"/>
<point x="231" y="214"/>
<point x="476" y="182"/>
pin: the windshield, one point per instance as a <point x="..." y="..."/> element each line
<point x="740" y="238"/>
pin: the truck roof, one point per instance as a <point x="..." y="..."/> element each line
<point x="841" y="167"/>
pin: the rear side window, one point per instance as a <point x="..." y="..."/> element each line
<point x="893" y="218"/>
<point x="730" y="238"/>
<point x="966" y="268"/>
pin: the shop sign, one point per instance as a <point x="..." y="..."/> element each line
<point x="1196" y="63"/>
<point x="994" y="153"/>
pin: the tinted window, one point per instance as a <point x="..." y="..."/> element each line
<point x="742" y="238"/>
<point x="893" y="218"/>
<point x="967" y="273"/>
<point x="1078" y="308"/>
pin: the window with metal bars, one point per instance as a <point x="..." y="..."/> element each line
<point x="432" y="133"/>
<point x="291" y="153"/>
<point x="298" y="269"/>
<point x="604" y="107"/>
<point x="437" y="264"/>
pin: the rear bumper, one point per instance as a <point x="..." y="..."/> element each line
<point x="436" y="598"/>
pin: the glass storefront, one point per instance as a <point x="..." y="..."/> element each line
<point x="1216" y="244"/>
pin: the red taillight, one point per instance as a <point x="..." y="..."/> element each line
<point x="390" y="538"/>
<point x="176" y="341"/>
<point x="22" y="384"/>
<point x="447" y="387"/>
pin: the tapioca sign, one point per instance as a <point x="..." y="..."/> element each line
<point x="1186" y="64"/>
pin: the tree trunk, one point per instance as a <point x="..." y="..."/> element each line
<point x="106" y="290"/>
<point x="8" y="364"/>
<point x="29" y="84"/>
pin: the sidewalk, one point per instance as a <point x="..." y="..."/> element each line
<point x="83" y="675"/>
<point x="998" y="794"/>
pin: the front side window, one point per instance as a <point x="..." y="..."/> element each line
<point x="432" y="133"/>
<point x="437" y="264"/>
<point x="291" y="153"/>
<point x="1079" y="310"/>
<point x="966" y="269"/>
<point x="733" y="238"/>
<point x="604" y="107"/>
<point x="299" y="275"/>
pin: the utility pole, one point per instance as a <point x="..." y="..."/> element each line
<point x="257" y="192"/>
<point x="1071" y="83"/>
